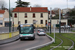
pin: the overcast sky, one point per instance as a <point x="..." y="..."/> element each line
<point x="46" y="3"/>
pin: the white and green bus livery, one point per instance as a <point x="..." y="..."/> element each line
<point x="26" y="31"/>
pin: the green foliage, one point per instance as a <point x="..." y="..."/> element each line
<point x="66" y="42"/>
<point x="70" y="21"/>
<point x="22" y="4"/>
<point x="72" y="12"/>
<point x="57" y="17"/>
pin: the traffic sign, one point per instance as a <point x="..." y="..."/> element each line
<point x="57" y="25"/>
<point x="49" y="24"/>
<point x="34" y="21"/>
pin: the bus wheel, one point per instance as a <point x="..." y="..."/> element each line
<point x="33" y="38"/>
<point x="21" y="39"/>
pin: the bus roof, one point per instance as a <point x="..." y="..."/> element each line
<point x="25" y="25"/>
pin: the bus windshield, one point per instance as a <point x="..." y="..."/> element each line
<point x="26" y="30"/>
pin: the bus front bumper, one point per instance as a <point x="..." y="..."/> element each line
<point x="27" y="37"/>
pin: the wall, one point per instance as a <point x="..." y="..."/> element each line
<point x="30" y="18"/>
<point x="56" y="21"/>
<point x="8" y="35"/>
<point x="5" y="15"/>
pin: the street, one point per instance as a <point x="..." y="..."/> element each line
<point x="22" y="45"/>
<point x="6" y="30"/>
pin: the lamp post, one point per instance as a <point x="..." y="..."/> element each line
<point x="9" y="18"/>
<point x="13" y="23"/>
<point x="59" y="20"/>
<point x="48" y="21"/>
<point x="18" y="11"/>
<point x="18" y="16"/>
<point x="67" y="4"/>
<point x="50" y="18"/>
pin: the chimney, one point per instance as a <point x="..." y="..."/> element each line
<point x="30" y="8"/>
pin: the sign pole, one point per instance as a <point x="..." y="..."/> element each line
<point x="50" y="19"/>
<point x="54" y="32"/>
<point x="59" y="21"/>
<point x="9" y="18"/>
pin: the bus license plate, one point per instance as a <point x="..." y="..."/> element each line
<point x="26" y="37"/>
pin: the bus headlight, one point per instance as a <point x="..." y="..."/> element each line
<point x="21" y="35"/>
<point x="31" y="35"/>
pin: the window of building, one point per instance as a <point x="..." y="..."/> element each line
<point x="19" y="22"/>
<point x="1" y="22"/>
<point x="1" y="15"/>
<point x="34" y="22"/>
<point x="25" y="15"/>
<point x="25" y="21"/>
<point x="41" y="21"/>
<point x="41" y="14"/>
<point x="33" y="15"/>
<point x="46" y="22"/>
<point x="15" y="15"/>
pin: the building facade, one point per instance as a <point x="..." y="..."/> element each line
<point x="22" y="15"/>
<point x="4" y="18"/>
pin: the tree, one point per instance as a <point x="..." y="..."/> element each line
<point x="22" y="4"/>
<point x="72" y="13"/>
<point x="71" y="16"/>
<point x="37" y="5"/>
<point x="2" y="4"/>
<point x="57" y="17"/>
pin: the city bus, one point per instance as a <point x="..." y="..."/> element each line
<point x="26" y="31"/>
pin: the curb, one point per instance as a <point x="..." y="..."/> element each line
<point x="6" y="41"/>
<point x="57" y="45"/>
<point x="40" y="46"/>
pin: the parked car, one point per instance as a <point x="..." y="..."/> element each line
<point x="41" y="32"/>
<point x="66" y="26"/>
<point x="62" y="26"/>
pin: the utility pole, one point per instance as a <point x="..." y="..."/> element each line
<point x="50" y="18"/>
<point x="9" y="18"/>
<point x="67" y="4"/>
<point x="59" y="20"/>
<point x="48" y="21"/>
<point x="18" y="11"/>
<point x="13" y="23"/>
<point x="18" y="16"/>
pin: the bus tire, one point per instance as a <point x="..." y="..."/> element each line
<point x="21" y="39"/>
<point x="33" y="38"/>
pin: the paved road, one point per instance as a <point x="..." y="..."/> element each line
<point x="6" y="29"/>
<point x="22" y="45"/>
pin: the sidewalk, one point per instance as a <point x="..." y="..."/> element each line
<point x="9" y="40"/>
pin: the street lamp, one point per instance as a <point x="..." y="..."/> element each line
<point x="9" y="18"/>
<point x="18" y="11"/>
<point x="67" y="4"/>
<point x="18" y="16"/>
<point x="59" y="20"/>
<point x="50" y="18"/>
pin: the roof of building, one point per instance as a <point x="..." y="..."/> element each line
<point x="2" y="11"/>
<point x="30" y="9"/>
